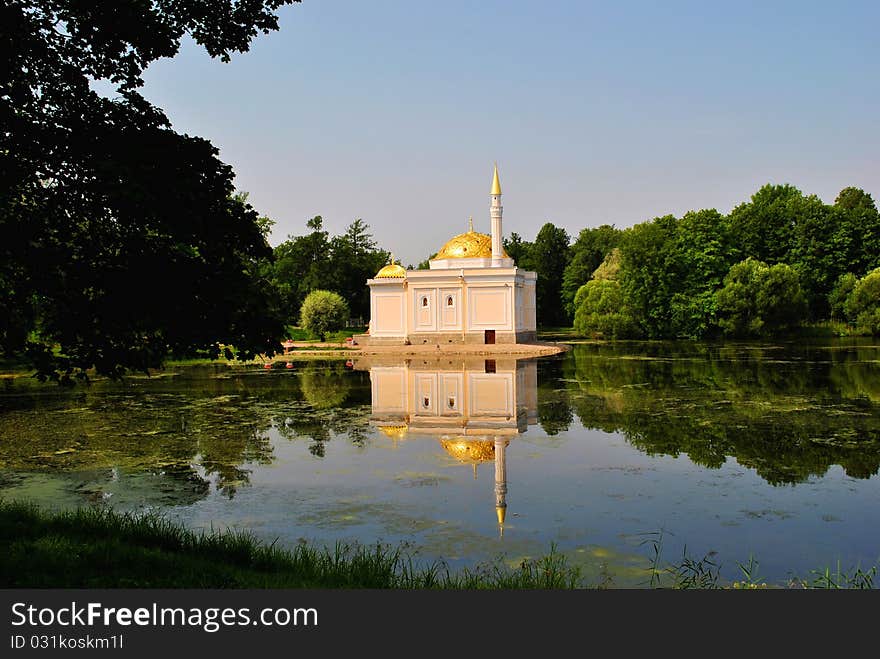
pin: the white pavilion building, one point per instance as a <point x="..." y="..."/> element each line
<point x="472" y="293"/>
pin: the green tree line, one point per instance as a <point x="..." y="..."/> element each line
<point x="773" y="263"/>
<point x="318" y="261"/>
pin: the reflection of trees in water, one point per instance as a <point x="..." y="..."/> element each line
<point x="353" y="422"/>
<point x="858" y="380"/>
<point x="228" y="456"/>
<point x="554" y="410"/>
<point x="324" y="389"/>
<point x="193" y="428"/>
<point x="335" y="401"/>
<point x="786" y="413"/>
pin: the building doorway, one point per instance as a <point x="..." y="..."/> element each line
<point x="490" y="337"/>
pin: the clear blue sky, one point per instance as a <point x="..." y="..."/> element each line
<point x="393" y="111"/>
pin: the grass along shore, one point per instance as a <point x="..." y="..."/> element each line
<point x="100" y="548"/>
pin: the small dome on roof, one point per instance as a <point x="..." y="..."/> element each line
<point x="391" y="271"/>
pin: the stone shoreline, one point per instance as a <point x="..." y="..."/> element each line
<point x="538" y="349"/>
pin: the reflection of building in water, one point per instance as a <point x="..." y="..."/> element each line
<point x="455" y="397"/>
<point x="474" y="407"/>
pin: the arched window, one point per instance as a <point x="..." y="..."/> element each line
<point x="425" y="301"/>
<point x="450" y="301"/>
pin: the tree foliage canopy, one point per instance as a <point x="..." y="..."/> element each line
<point x="549" y="257"/>
<point x="862" y="305"/>
<point x="316" y="260"/>
<point x="322" y="312"/>
<point x="760" y="300"/>
<point x="673" y="270"/>
<point x="120" y="239"/>
<point x="586" y="253"/>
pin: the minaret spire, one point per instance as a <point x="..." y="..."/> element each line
<point x="495" y="211"/>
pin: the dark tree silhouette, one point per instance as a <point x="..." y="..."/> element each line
<point x="120" y="239"/>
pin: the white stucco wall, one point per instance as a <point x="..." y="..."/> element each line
<point x="465" y="301"/>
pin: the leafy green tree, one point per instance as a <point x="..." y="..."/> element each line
<point x="355" y="258"/>
<point x="670" y="270"/>
<point x="302" y="264"/>
<point x="426" y="264"/>
<point x="587" y="252"/>
<point x="318" y="261"/>
<point x="601" y="311"/>
<point x="264" y="222"/>
<point x="764" y="226"/>
<point x="816" y="257"/>
<point x="549" y="257"/>
<point x="857" y="239"/>
<point x="519" y="250"/>
<point x="702" y="254"/>
<point x="782" y="225"/>
<point x="760" y="300"/>
<point x="647" y="274"/>
<point x="839" y="295"/>
<point x="323" y="312"/>
<point x="610" y="266"/>
<point x="863" y="304"/>
<point x="120" y="239"/>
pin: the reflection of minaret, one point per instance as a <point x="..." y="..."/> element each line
<point x="500" y="481"/>
<point x="474" y="411"/>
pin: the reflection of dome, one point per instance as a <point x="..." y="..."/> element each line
<point x="391" y="271"/>
<point x="468" y="245"/>
<point x="394" y="432"/>
<point x="472" y="451"/>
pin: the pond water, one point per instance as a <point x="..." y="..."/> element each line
<point x="771" y="451"/>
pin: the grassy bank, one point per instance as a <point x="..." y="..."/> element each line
<point x="99" y="548"/>
<point x="300" y="334"/>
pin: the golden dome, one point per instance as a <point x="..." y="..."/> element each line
<point x="394" y="432"/>
<point x="470" y="245"/>
<point x="472" y="451"/>
<point x="391" y="271"/>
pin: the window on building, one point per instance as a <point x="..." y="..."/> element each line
<point x="450" y="301"/>
<point x="425" y="301"/>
